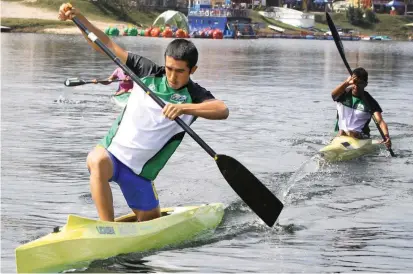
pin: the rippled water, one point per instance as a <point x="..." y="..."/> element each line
<point x="353" y="216"/>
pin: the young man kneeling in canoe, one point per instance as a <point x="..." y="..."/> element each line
<point x="355" y="107"/>
<point x="144" y="136"/>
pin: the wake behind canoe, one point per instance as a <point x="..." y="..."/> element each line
<point x="83" y="240"/>
<point x="343" y="148"/>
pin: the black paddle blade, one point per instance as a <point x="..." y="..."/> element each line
<point x="256" y="195"/>
<point x="72" y="82"/>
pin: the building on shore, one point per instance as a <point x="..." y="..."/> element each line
<point x="205" y="16"/>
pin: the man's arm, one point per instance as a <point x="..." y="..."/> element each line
<point x="67" y="12"/>
<point x="108" y="81"/>
<point x="112" y="77"/>
<point x="122" y="91"/>
<point x="105" y="82"/>
<point x="383" y="125"/>
<point x="210" y="109"/>
<point x="340" y="89"/>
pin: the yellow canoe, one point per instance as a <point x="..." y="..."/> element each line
<point x="343" y="148"/>
<point x="83" y="240"/>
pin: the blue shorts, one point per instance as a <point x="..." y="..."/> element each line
<point x="139" y="192"/>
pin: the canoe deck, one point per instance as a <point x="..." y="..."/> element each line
<point x="344" y="148"/>
<point x="82" y="240"/>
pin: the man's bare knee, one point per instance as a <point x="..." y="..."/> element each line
<point x="99" y="163"/>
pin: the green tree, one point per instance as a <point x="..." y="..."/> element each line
<point x="355" y="16"/>
<point x="371" y="17"/>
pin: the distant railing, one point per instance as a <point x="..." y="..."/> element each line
<point x="218" y="12"/>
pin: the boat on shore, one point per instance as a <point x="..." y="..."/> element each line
<point x="380" y="38"/>
<point x="344" y="148"/>
<point x="83" y="240"/>
<point x="376" y="38"/>
<point x="5" y="29"/>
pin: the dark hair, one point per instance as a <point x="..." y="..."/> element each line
<point x="361" y="74"/>
<point x="181" y="49"/>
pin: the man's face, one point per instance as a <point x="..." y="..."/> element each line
<point x="359" y="85"/>
<point x="177" y="72"/>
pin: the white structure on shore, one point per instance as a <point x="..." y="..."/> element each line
<point x="292" y="17"/>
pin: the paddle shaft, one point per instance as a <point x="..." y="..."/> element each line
<point x="103" y="81"/>
<point x="340" y="48"/>
<point x="136" y="79"/>
<point x="73" y="82"/>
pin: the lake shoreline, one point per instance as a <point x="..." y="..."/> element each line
<point x="23" y="18"/>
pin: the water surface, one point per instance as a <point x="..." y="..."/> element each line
<point x="353" y="216"/>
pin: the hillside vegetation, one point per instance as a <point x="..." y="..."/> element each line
<point x="390" y="25"/>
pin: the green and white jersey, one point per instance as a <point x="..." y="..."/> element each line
<point x="353" y="114"/>
<point x="142" y="138"/>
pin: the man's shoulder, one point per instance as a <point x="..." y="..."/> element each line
<point x="198" y="93"/>
<point x="143" y="66"/>
<point x="367" y="94"/>
<point x="374" y="105"/>
<point x="195" y="86"/>
<point x="135" y="56"/>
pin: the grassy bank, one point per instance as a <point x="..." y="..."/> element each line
<point x="94" y="10"/>
<point x="393" y="26"/>
<point x="104" y="11"/>
<point x="33" y="25"/>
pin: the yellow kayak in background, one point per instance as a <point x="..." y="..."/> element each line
<point x="343" y="148"/>
<point x="83" y="240"/>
